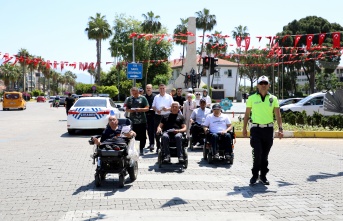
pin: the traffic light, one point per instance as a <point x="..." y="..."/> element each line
<point x="206" y="62"/>
<point x="214" y="65"/>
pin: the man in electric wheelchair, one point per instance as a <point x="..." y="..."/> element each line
<point x="217" y="127"/>
<point x="172" y="129"/>
<point x="197" y="119"/>
<point x="112" y="150"/>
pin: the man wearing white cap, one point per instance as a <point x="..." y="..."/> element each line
<point x="262" y="105"/>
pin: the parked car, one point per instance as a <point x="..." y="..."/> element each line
<point x="62" y="100"/>
<point x="51" y="99"/>
<point x="41" y="99"/>
<point x="13" y="100"/>
<point x="292" y="100"/>
<point x="91" y="113"/>
<point x="310" y="104"/>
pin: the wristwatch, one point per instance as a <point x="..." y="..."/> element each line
<point x="280" y="128"/>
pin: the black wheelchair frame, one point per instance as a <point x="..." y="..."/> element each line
<point x="112" y="158"/>
<point x="199" y="136"/>
<point x="207" y="149"/>
<point x="173" y="150"/>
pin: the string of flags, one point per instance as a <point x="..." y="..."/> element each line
<point x="273" y="50"/>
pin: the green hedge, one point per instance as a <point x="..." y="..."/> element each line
<point x="317" y="119"/>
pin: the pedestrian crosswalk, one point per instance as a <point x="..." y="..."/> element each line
<point x="200" y="182"/>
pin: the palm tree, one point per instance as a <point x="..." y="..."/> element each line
<point x="241" y="32"/>
<point x="205" y="22"/>
<point x="151" y="25"/>
<point x="181" y="40"/>
<point x="9" y="74"/>
<point x="23" y="54"/>
<point x="98" y="29"/>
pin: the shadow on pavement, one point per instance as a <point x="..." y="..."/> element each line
<point x="109" y="186"/>
<point x="167" y="168"/>
<point x="250" y="191"/>
<point x="314" y="178"/>
<point x="174" y="202"/>
<point x="215" y="164"/>
<point x="82" y="133"/>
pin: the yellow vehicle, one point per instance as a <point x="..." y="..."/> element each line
<point x="13" y="100"/>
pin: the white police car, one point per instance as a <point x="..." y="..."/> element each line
<point x="91" y="113"/>
<point x="310" y="104"/>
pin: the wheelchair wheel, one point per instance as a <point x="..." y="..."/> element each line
<point x="209" y="158"/>
<point x="185" y="165"/>
<point x="97" y="179"/>
<point x="204" y="152"/>
<point x="102" y="176"/>
<point x="191" y="143"/>
<point x="133" y="171"/>
<point x="159" y="158"/>
<point x="121" y="180"/>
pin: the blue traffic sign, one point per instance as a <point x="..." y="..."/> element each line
<point x="134" y="71"/>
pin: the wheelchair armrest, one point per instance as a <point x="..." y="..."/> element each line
<point x="90" y="141"/>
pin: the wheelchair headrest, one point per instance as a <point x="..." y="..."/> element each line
<point x="124" y="121"/>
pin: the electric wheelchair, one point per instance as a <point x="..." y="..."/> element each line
<point x="197" y="135"/>
<point x="173" y="149"/>
<point x="112" y="157"/>
<point x="208" y="152"/>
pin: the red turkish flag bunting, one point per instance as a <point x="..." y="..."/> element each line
<point x="321" y="38"/>
<point x="309" y="39"/>
<point x="336" y="37"/>
<point x="238" y="41"/>
<point x="296" y="40"/>
<point x="247" y="42"/>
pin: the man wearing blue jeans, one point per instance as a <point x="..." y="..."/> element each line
<point x="218" y="124"/>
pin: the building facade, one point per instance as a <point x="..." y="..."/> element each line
<point x="225" y="81"/>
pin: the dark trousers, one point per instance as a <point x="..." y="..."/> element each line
<point x="261" y="140"/>
<point x="140" y="131"/>
<point x="166" y="138"/>
<point x="157" y="121"/>
<point x="150" y="126"/>
<point x="224" y="144"/>
<point x="197" y="132"/>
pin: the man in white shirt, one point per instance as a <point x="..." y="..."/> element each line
<point x="197" y="119"/>
<point x="161" y="105"/>
<point x="219" y="124"/>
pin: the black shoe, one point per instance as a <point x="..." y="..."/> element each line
<point x="181" y="160"/>
<point x="151" y="147"/>
<point x="263" y="180"/>
<point x="166" y="159"/>
<point x="253" y="180"/>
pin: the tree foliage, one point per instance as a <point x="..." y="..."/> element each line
<point x="309" y="58"/>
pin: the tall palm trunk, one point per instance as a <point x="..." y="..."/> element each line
<point x="98" y="45"/>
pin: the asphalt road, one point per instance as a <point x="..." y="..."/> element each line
<point x="48" y="175"/>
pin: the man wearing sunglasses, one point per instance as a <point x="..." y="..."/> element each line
<point x="262" y="105"/>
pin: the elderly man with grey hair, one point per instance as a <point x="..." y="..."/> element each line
<point x="172" y="126"/>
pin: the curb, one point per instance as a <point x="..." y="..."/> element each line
<point x="303" y="134"/>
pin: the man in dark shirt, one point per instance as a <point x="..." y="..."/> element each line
<point x="150" y="116"/>
<point x="172" y="125"/>
<point x="137" y="105"/>
<point x="69" y="102"/>
<point x="179" y="98"/>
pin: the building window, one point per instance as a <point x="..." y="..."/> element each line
<point x="229" y="73"/>
<point x="218" y="86"/>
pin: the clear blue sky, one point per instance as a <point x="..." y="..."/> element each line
<point x="55" y="29"/>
